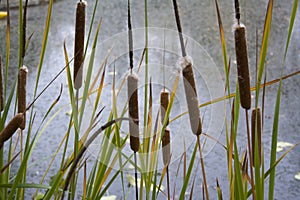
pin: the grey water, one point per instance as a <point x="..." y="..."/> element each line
<point x="199" y="22"/>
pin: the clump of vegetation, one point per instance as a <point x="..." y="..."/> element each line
<point x="247" y="173"/>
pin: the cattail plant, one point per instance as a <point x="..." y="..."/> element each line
<point x="242" y="60"/>
<point x="79" y="44"/>
<point x="22" y="76"/>
<point x="133" y="106"/>
<point x="256" y="132"/>
<point x="189" y="80"/>
<point x="191" y="94"/>
<point x="8" y="131"/>
<point x="243" y="77"/>
<point x="1" y="87"/>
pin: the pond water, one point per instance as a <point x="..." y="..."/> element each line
<point x="200" y="25"/>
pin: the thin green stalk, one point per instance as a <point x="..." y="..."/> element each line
<point x="264" y="48"/>
<point x="250" y="150"/>
<point x="188" y="175"/>
<point x="277" y="105"/>
<point x="203" y="168"/>
<point x="136" y="177"/>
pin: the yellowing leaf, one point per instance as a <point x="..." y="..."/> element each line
<point x="297" y="176"/>
<point x="3" y="14"/>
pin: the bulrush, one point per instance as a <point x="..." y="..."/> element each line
<point x="1" y="87"/>
<point x="191" y="95"/>
<point x="133" y="108"/>
<point x="164" y="102"/>
<point x="166" y="149"/>
<point x="11" y="128"/>
<point x="22" y="76"/>
<point x="79" y="44"/>
<point x="242" y="65"/>
<point x="256" y="132"/>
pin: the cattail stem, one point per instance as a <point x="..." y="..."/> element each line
<point x="250" y="155"/>
<point x="191" y="96"/>
<point x="237" y="10"/>
<point x="11" y="128"/>
<point x="242" y="65"/>
<point x="130" y="38"/>
<point x="133" y="112"/>
<point x="168" y="183"/>
<point x="177" y="17"/>
<point x="256" y="133"/>
<point x="24" y="30"/>
<point x="79" y="44"/>
<point x="203" y="169"/>
<point x="164" y="102"/>
<point x="1" y="87"/>
<point x="136" y="177"/>
<point x="22" y="76"/>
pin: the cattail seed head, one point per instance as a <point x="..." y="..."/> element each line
<point x="256" y="132"/>
<point x="191" y="96"/>
<point x="11" y="128"/>
<point x="164" y="102"/>
<point x="242" y="65"/>
<point x="79" y="44"/>
<point x="22" y="77"/>
<point x="133" y="112"/>
<point x="1" y="87"/>
<point x="166" y="152"/>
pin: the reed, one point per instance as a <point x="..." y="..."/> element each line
<point x="256" y="134"/>
<point x="102" y="177"/>
<point x="12" y="126"/>
<point x="79" y="44"/>
<point x="22" y="77"/>
<point x="242" y="65"/>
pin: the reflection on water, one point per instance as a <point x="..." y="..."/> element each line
<point x="200" y="24"/>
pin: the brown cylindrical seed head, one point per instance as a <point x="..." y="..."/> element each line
<point x="256" y="131"/>
<point x="22" y="76"/>
<point x="11" y="128"/>
<point x="164" y="102"/>
<point x="166" y="147"/>
<point x="191" y="98"/>
<point x="1" y="87"/>
<point x="133" y="108"/>
<point x="242" y="65"/>
<point x="79" y="44"/>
